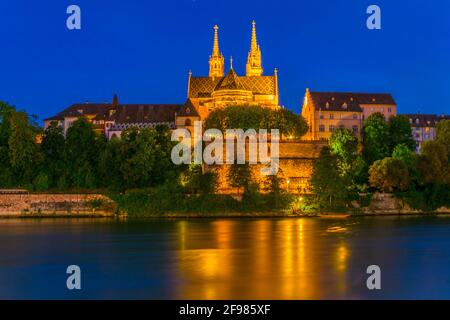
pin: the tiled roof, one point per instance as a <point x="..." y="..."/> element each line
<point x="146" y="113"/>
<point x="347" y="101"/>
<point x="204" y="86"/>
<point x="230" y="82"/>
<point x="123" y="113"/>
<point x="425" y="120"/>
<point x="79" y="109"/>
<point x="141" y="125"/>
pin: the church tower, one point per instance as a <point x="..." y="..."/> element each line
<point x="254" y="64"/>
<point x="216" y="60"/>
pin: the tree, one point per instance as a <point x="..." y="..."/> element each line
<point x="146" y="157"/>
<point x="389" y="175"/>
<point x="433" y="163"/>
<point x="6" y="175"/>
<point x="443" y="134"/>
<point x="52" y="147"/>
<point x="255" y="117"/>
<point x="240" y="176"/>
<point x="110" y="163"/>
<point x="82" y="154"/>
<point x="344" y="145"/>
<point x="24" y="155"/>
<point x="328" y="185"/>
<point x="400" y="133"/>
<point x="375" y="138"/>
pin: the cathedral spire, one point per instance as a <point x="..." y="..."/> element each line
<point x="254" y="63"/>
<point x="216" y="60"/>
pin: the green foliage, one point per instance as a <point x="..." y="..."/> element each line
<point x="197" y="182"/>
<point x="53" y="148"/>
<point x="41" y="182"/>
<point x="389" y="175"/>
<point x="82" y="153"/>
<point x="375" y="138"/>
<point x="328" y="185"/>
<point x="400" y="133"/>
<point x="255" y="117"/>
<point x="344" y="145"/>
<point x="24" y="155"/>
<point x="240" y="176"/>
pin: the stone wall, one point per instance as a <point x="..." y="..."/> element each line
<point x="31" y="204"/>
<point x="296" y="163"/>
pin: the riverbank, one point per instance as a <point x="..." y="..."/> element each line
<point x="56" y="205"/>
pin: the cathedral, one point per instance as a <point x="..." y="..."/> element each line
<point x="205" y="94"/>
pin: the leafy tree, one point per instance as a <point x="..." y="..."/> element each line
<point x="389" y="175"/>
<point x="24" y="153"/>
<point x="375" y="138"/>
<point x="146" y="155"/>
<point x="433" y="163"/>
<point x="443" y="134"/>
<point x="53" y="147"/>
<point x="328" y="185"/>
<point x="6" y="175"/>
<point x="195" y="181"/>
<point x="344" y="145"/>
<point x="110" y="163"/>
<point x="255" y="117"/>
<point x="400" y="133"/>
<point x="82" y="154"/>
<point x="240" y="176"/>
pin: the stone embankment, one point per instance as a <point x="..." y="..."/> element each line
<point x="388" y="204"/>
<point x="12" y="205"/>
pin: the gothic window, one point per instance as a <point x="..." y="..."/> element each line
<point x="187" y="122"/>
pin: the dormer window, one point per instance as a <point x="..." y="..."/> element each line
<point x="373" y="100"/>
<point x="80" y="111"/>
<point x="344" y="106"/>
<point x="332" y="98"/>
<point x="188" y="110"/>
<point x="417" y="121"/>
<point x="327" y="105"/>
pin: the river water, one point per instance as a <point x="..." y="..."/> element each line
<point x="304" y="258"/>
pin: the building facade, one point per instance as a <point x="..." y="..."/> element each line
<point x="424" y="127"/>
<point x="328" y="111"/>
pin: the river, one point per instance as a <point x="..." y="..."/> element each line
<point x="293" y="258"/>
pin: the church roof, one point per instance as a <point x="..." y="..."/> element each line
<point x="204" y="86"/>
<point x="230" y="82"/>
<point x="347" y="101"/>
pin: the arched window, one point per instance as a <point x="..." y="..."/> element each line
<point x="187" y="123"/>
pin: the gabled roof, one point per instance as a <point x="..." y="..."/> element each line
<point x="229" y="82"/>
<point x="188" y="110"/>
<point x="80" y="109"/>
<point x="347" y="101"/>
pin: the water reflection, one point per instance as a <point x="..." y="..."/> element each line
<point x="226" y="259"/>
<point x="264" y="259"/>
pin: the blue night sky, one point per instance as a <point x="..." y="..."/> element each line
<point x="143" y="49"/>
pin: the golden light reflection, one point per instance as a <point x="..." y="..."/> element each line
<point x="261" y="259"/>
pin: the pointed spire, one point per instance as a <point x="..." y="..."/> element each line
<point x="254" y="64"/>
<point x="216" y="51"/>
<point x="254" y="44"/>
<point x="231" y="62"/>
<point x="115" y="101"/>
<point x="216" y="60"/>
